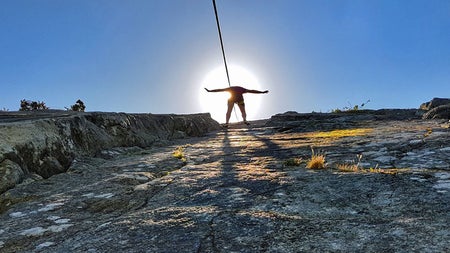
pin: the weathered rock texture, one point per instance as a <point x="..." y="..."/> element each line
<point x="437" y="108"/>
<point x="435" y="102"/>
<point x="42" y="144"/>
<point x="233" y="191"/>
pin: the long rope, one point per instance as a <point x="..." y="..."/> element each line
<point x="223" y="50"/>
<point x="221" y="42"/>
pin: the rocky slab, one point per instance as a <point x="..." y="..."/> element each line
<point x="235" y="191"/>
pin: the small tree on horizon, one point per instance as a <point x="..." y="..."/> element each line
<point x="78" y="106"/>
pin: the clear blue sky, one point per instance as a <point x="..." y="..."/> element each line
<point x="152" y="55"/>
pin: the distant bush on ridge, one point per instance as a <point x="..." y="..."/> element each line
<point x="350" y="108"/>
<point x="78" y="106"/>
<point x="28" y="105"/>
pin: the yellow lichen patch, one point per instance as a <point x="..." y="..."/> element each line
<point x="339" y="133"/>
<point x="179" y="153"/>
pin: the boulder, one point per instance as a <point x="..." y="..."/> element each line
<point x="439" y="112"/>
<point x="10" y="175"/>
<point x="435" y="102"/>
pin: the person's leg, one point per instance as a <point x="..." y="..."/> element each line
<point x="229" y="110"/>
<point x="244" y="114"/>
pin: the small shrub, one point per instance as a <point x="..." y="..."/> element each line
<point x="317" y="161"/>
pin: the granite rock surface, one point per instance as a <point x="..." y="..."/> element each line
<point x="236" y="190"/>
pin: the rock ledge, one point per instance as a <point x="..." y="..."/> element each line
<point x="44" y="143"/>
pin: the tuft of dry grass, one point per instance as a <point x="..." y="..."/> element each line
<point x="348" y="167"/>
<point x="317" y="161"/>
<point x="293" y="162"/>
<point x="351" y="167"/>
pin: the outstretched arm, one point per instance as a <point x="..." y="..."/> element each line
<point x="257" y="91"/>
<point x="217" y="90"/>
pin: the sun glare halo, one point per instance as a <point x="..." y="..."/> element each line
<point x="216" y="102"/>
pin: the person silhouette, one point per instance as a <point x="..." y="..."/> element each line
<point x="236" y="97"/>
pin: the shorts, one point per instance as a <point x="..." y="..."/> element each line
<point x="240" y="102"/>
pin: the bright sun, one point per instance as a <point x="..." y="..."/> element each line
<point x="216" y="102"/>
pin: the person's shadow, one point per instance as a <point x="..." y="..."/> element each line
<point x="238" y="181"/>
